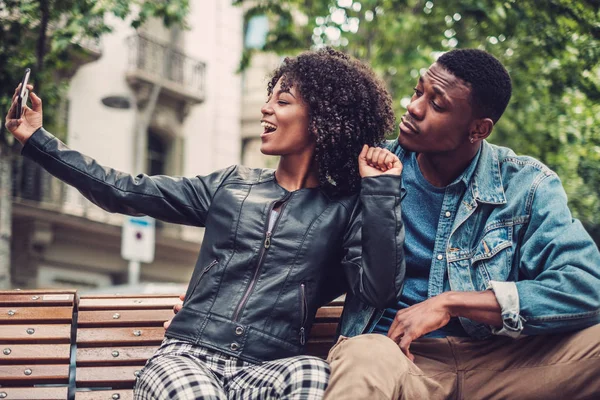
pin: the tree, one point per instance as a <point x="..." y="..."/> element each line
<point x="551" y="49"/>
<point x="48" y="36"/>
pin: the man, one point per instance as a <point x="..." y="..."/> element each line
<point x="502" y="292"/>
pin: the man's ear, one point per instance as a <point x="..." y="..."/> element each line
<point x="480" y="129"/>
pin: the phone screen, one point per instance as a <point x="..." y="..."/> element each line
<point x="23" y="93"/>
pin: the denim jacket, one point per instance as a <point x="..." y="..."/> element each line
<point x="509" y="230"/>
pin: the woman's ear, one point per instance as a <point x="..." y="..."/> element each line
<point x="480" y="129"/>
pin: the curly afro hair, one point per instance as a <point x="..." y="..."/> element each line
<point x="490" y="83"/>
<point x="348" y="107"/>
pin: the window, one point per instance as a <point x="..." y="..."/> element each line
<point x="157" y="154"/>
<point x="256" y="32"/>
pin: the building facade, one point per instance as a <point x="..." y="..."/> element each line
<point x="157" y="101"/>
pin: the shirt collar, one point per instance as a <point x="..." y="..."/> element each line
<point x="482" y="176"/>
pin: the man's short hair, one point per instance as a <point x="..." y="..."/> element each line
<point x="489" y="81"/>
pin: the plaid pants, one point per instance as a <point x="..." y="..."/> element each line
<point x="182" y="370"/>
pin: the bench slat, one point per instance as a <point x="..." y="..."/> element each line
<point x="116" y="303"/>
<point x="123" y="317"/>
<point x="39" y="393"/>
<point x="41" y="333"/>
<point x="46" y="373"/>
<point x="36" y="314"/>
<point x="115" y="355"/>
<point x="35" y="352"/>
<point x="124" y="336"/>
<point x="37" y="298"/>
<point x="112" y="376"/>
<point x="329" y="313"/>
<point x="326" y="329"/>
<point x="105" y="395"/>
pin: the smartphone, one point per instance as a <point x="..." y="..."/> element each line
<point x="23" y="93"/>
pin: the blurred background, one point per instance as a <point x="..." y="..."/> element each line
<point x="176" y="88"/>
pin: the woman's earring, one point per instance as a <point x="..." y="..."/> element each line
<point x="471" y="139"/>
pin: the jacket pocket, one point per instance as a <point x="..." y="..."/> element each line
<point x="493" y="257"/>
<point x="303" y="313"/>
<point x="199" y="279"/>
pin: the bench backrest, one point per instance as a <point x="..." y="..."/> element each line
<point x="45" y="334"/>
<point x="115" y="337"/>
<point x="35" y="343"/>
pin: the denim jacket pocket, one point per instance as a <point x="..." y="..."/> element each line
<point x="492" y="258"/>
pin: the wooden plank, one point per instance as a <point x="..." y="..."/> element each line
<point x="36" y="298"/>
<point x="129" y="296"/>
<point x="114" y="355"/>
<point x="123" y="317"/>
<point x="105" y="395"/>
<point x="37" y="291"/>
<point x="36" y="314"/>
<point x="327" y="329"/>
<point x="123" y="336"/>
<point x="120" y="377"/>
<point x="31" y="393"/>
<point x="131" y="303"/>
<point x="40" y="353"/>
<point x="34" y="373"/>
<point x="329" y="312"/>
<point x="40" y="333"/>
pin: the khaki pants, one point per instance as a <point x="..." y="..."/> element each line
<point x="561" y="366"/>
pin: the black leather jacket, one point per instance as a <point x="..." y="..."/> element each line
<point x="254" y="293"/>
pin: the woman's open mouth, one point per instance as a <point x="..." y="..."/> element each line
<point x="268" y="128"/>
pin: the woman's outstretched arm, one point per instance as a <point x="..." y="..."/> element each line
<point x="177" y="200"/>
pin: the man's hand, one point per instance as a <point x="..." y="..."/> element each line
<point x="176" y="309"/>
<point x="374" y="161"/>
<point x="413" y="322"/>
<point x="31" y="118"/>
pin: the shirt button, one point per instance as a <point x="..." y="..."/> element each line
<point x="234" y="346"/>
<point x="440" y="257"/>
<point x="239" y="330"/>
<point x="448" y="214"/>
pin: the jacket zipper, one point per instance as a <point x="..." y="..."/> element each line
<point x="304" y="308"/>
<point x="263" y="250"/>
<point x="208" y="267"/>
<point x="204" y="271"/>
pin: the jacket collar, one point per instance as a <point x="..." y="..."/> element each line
<point x="483" y="180"/>
<point x="486" y="183"/>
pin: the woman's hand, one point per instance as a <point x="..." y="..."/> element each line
<point x="374" y="161"/>
<point x="31" y="118"/>
<point x="176" y="309"/>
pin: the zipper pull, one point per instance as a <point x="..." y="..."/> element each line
<point x="302" y="336"/>
<point x="268" y="240"/>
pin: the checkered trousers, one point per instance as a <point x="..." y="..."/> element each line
<point x="182" y="370"/>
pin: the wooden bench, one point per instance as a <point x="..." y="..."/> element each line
<point x="108" y="338"/>
<point x="36" y="330"/>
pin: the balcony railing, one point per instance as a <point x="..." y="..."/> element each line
<point x="153" y="61"/>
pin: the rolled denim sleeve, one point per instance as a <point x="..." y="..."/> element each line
<point x="508" y="298"/>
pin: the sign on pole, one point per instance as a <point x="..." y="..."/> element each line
<point x="137" y="240"/>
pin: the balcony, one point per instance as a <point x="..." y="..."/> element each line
<point x="152" y="62"/>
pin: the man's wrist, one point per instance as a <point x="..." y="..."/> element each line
<point x="449" y="302"/>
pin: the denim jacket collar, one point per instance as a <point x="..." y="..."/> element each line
<point x="482" y="178"/>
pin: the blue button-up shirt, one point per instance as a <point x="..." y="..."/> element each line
<point x="508" y="229"/>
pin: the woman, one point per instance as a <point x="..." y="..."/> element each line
<point x="276" y="242"/>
